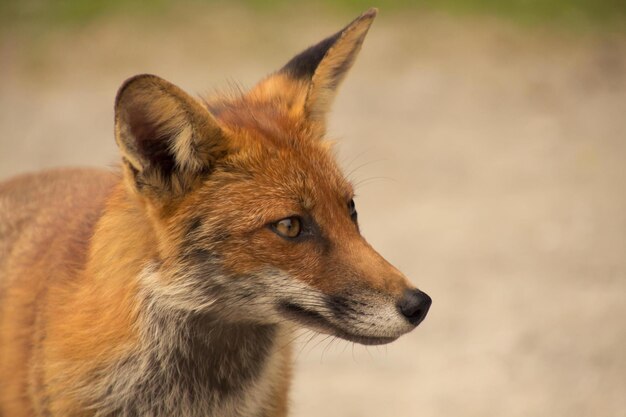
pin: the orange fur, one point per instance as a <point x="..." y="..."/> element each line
<point x="169" y="290"/>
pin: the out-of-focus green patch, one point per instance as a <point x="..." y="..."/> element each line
<point x="75" y="12"/>
<point x="543" y="11"/>
<point x="597" y="13"/>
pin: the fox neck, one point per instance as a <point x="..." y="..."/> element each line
<point x="176" y="362"/>
<point x="194" y="363"/>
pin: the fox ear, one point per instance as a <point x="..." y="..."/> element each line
<point x="168" y="140"/>
<point x="323" y="66"/>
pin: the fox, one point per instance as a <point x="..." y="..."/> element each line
<point x="173" y="285"/>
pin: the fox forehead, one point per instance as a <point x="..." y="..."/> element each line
<point x="273" y="149"/>
<point x="291" y="177"/>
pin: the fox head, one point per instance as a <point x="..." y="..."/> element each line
<point x="253" y="217"/>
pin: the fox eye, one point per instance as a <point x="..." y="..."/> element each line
<point x="289" y="227"/>
<point x="352" y="210"/>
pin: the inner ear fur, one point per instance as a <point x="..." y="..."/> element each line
<point x="323" y="66"/>
<point x="168" y="140"/>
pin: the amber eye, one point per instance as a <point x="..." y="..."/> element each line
<point x="289" y="227"/>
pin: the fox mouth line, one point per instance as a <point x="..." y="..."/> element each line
<point x="315" y="320"/>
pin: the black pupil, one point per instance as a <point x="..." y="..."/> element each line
<point x="289" y="227"/>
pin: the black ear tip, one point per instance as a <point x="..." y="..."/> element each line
<point x="304" y="65"/>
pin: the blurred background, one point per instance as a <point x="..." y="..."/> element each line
<point x="487" y="140"/>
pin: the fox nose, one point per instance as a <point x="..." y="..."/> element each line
<point x="414" y="306"/>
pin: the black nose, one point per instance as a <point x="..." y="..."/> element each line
<point x="414" y="306"/>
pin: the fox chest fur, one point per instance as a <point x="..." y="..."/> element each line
<point x="174" y="287"/>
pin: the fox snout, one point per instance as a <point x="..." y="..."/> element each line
<point x="374" y="289"/>
<point x="364" y="317"/>
<point x="357" y="296"/>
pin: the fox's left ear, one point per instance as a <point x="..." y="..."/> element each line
<point x="322" y="67"/>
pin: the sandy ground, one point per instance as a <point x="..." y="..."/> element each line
<point x="491" y="168"/>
